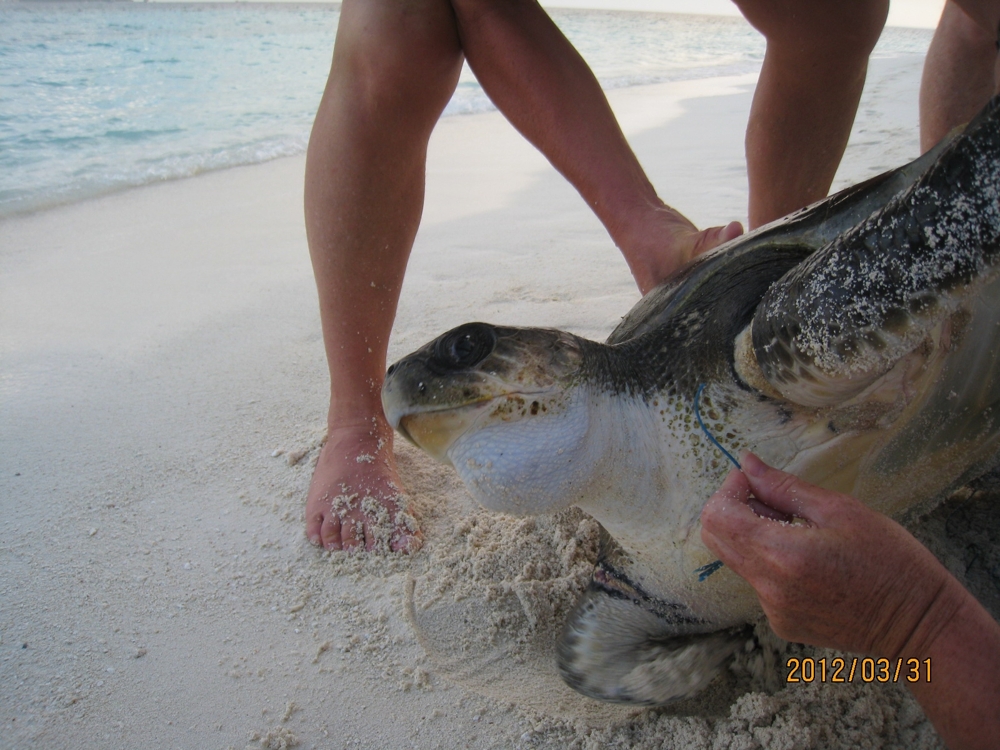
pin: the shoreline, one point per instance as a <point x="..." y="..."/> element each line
<point x="718" y="83"/>
<point x="162" y="395"/>
<point x="38" y="204"/>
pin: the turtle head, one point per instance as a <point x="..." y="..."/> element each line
<point x="500" y="404"/>
<point x="477" y="375"/>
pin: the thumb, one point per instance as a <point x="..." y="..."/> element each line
<point x="727" y="522"/>
<point x="785" y="493"/>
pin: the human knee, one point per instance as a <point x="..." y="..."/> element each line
<point x="981" y="18"/>
<point x="400" y="57"/>
<point x="971" y="23"/>
<point x="481" y="11"/>
<point x="843" y="29"/>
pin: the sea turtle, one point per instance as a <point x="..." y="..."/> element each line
<point x="853" y="343"/>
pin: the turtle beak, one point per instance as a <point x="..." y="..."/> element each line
<point x="429" y="425"/>
<point x="396" y="402"/>
<point x="401" y="429"/>
<point x="435" y="431"/>
<point x="435" y="448"/>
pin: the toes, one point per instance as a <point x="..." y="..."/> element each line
<point x="405" y="535"/>
<point x="352" y="532"/>
<point x="330" y="532"/>
<point x="337" y="533"/>
<point x="345" y="533"/>
<point x="315" y="516"/>
<point x="405" y="541"/>
<point x="314" y="529"/>
<point x="347" y="526"/>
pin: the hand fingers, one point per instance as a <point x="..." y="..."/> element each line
<point x="715" y="236"/>
<point x="738" y="527"/>
<point x="731" y="231"/>
<point x="766" y="511"/>
<point x="727" y="521"/>
<point x="787" y="494"/>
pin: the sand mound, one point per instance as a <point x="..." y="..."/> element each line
<point x="488" y="594"/>
<point x="491" y="604"/>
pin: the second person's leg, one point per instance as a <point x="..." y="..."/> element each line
<point x="544" y="87"/>
<point x="960" y="69"/>
<point x="806" y="98"/>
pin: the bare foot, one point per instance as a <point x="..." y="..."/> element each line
<point x="665" y="241"/>
<point x="356" y="499"/>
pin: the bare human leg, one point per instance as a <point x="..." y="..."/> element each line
<point x="394" y="68"/>
<point x="806" y="98"/>
<point x="960" y="72"/>
<point x="542" y="85"/>
<point x="395" y="65"/>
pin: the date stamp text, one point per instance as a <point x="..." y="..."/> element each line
<point x="854" y="669"/>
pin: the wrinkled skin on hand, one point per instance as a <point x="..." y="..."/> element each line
<point x="828" y="570"/>
<point x="832" y="573"/>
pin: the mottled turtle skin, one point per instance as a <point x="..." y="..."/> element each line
<point x="853" y="343"/>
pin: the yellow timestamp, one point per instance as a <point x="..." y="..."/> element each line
<point x="864" y="669"/>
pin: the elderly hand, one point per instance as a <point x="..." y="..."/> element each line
<point x="828" y="570"/>
<point x="831" y="572"/>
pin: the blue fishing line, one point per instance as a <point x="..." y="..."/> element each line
<point x="716" y="443"/>
<point x="706" y="570"/>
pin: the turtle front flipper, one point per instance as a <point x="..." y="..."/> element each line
<point x="833" y="325"/>
<point x="624" y="646"/>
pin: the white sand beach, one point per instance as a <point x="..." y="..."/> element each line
<point x="162" y="398"/>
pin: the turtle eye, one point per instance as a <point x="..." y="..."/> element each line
<point x="464" y="347"/>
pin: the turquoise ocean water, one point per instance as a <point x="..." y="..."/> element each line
<point x="99" y="96"/>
